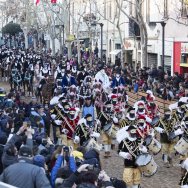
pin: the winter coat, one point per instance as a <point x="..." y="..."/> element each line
<point x="23" y="174"/>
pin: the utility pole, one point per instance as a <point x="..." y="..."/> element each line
<point x="101" y="25"/>
<point x="26" y="24"/>
<point x="68" y="30"/>
<point x="163" y="24"/>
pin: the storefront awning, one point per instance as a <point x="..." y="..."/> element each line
<point x="183" y="64"/>
<point x="115" y="52"/>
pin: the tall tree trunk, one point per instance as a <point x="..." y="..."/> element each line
<point x="121" y="38"/>
<point x="143" y="33"/>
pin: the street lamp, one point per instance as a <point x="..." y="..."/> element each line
<point x="163" y="24"/>
<point x="101" y="25"/>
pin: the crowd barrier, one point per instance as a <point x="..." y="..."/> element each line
<point x="161" y="103"/>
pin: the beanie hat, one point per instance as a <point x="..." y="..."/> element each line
<point x="39" y="160"/>
<point x="25" y="151"/>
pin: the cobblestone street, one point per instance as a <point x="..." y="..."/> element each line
<point x="164" y="178"/>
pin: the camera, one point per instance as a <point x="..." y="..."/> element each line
<point x="66" y="149"/>
<point x="44" y="141"/>
<point x="90" y="167"/>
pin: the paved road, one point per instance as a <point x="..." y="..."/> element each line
<point x="164" y="178"/>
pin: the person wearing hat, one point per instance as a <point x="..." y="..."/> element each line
<point x="72" y="96"/>
<point x="140" y="109"/>
<point x="130" y="118"/>
<point x="68" y="80"/>
<point x="118" y="80"/>
<point x="37" y="120"/>
<point x="59" y="74"/>
<point x="130" y="148"/>
<point x="88" y="108"/>
<point x="68" y="127"/>
<point x="25" y="169"/>
<point x="85" y="130"/>
<point x="100" y="96"/>
<point x="103" y="77"/>
<point x="81" y="75"/>
<point x="166" y="128"/>
<point x="27" y="81"/>
<point x="143" y="128"/>
<point x="106" y="119"/>
<point x="85" y="89"/>
<point x="179" y="112"/>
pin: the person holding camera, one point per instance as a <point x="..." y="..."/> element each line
<point x="65" y="161"/>
<point x="86" y="177"/>
<point x="21" y="163"/>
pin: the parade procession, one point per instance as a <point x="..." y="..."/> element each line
<point x="89" y="99"/>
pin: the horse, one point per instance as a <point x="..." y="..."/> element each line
<point x="47" y="90"/>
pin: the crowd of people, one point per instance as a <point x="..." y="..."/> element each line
<point x="75" y="112"/>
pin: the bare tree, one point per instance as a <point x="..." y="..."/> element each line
<point x="138" y="18"/>
<point x="116" y="21"/>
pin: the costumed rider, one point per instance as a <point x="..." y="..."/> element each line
<point x="85" y="89"/>
<point x="85" y="130"/>
<point x="17" y="79"/>
<point x="130" y="147"/>
<point x="106" y="119"/>
<point x="166" y="128"/>
<point x="68" y="127"/>
<point x="45" y="70"/>
<point x="102" y="77"/>
<point x="117" y="80"/>
<point x="72" y="96"/>
<point x="68" y="80"/>
<point x="99" y="95"/>
<point x="59" y="74"/>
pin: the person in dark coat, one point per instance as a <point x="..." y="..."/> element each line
<point x="68" y="80"/>
<point x="25" y="174"/>
<point x="3" y="140"/>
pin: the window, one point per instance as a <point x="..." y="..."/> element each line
<point x="184" y="8"/>
<point x="117" y="46"/>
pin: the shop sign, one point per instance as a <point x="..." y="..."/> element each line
<point x="184" y="47"/>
